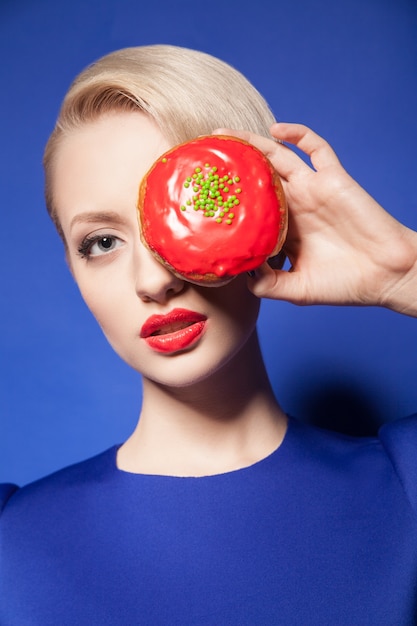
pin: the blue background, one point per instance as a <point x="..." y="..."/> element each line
<point x="347" y="68"/>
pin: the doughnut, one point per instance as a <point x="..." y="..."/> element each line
<point x="212" y="208"/>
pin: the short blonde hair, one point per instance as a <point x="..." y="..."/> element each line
<point x="187" y="92"/>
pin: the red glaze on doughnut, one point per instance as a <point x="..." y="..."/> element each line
<point x="203" y="242"/>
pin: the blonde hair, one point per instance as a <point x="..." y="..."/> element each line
<point x="187" y="92"/>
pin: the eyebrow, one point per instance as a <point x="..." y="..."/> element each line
<point x="93" y="217"/>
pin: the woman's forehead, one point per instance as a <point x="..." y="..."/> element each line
<point x="105" y="160"/>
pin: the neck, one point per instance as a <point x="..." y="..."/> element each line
<point x="227" y="421"/>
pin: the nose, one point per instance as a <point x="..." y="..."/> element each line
<point x="153" y="281"/>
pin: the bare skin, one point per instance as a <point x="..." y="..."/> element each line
<point x="206" y="409"/>
<point x="226" y="422"/>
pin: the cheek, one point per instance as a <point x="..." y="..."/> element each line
<point x="104" y="304"/>
<point x="112" y="315"/>
<point x="238" y="306"/>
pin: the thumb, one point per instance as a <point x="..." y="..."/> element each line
<point x="276" y="284"/>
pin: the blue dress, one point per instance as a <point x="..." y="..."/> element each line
<point x="321" y="532"/>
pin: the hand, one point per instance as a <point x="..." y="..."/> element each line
<point x="344" y="248"/>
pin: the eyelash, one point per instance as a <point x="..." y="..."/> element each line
<point x="84" y="249"/>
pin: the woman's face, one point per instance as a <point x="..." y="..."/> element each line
<point x="97" y="172"/>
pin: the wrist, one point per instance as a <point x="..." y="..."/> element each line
<point x="401" y="294"/>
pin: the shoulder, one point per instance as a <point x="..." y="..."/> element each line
<point x="399" y="440"/>
<point x="67" y="484"/>
<point x="385" y="466"/>
<point x="6" y="491"/>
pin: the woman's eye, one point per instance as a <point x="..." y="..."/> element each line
<point x="98" y="245"/>
<point x="104" y="244"/>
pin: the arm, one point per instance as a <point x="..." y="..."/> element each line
<point x="344" y="248"/>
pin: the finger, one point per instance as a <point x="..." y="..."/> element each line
<point x="284" y="160"/>
<point x="277" y="285"/>
<point x="268" y="146"/>
<point x="318" y="149"/>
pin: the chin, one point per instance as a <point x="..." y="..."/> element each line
<point x="203" y="363"/>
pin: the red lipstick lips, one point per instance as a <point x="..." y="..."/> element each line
<point x="173" y="332"/>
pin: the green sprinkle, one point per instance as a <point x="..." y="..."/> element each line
<point x="211" y="193"/>
<point x="164" y="160"/>
<point x="238" y="190"/>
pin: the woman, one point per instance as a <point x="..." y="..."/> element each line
<point x="219" y="509"/>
